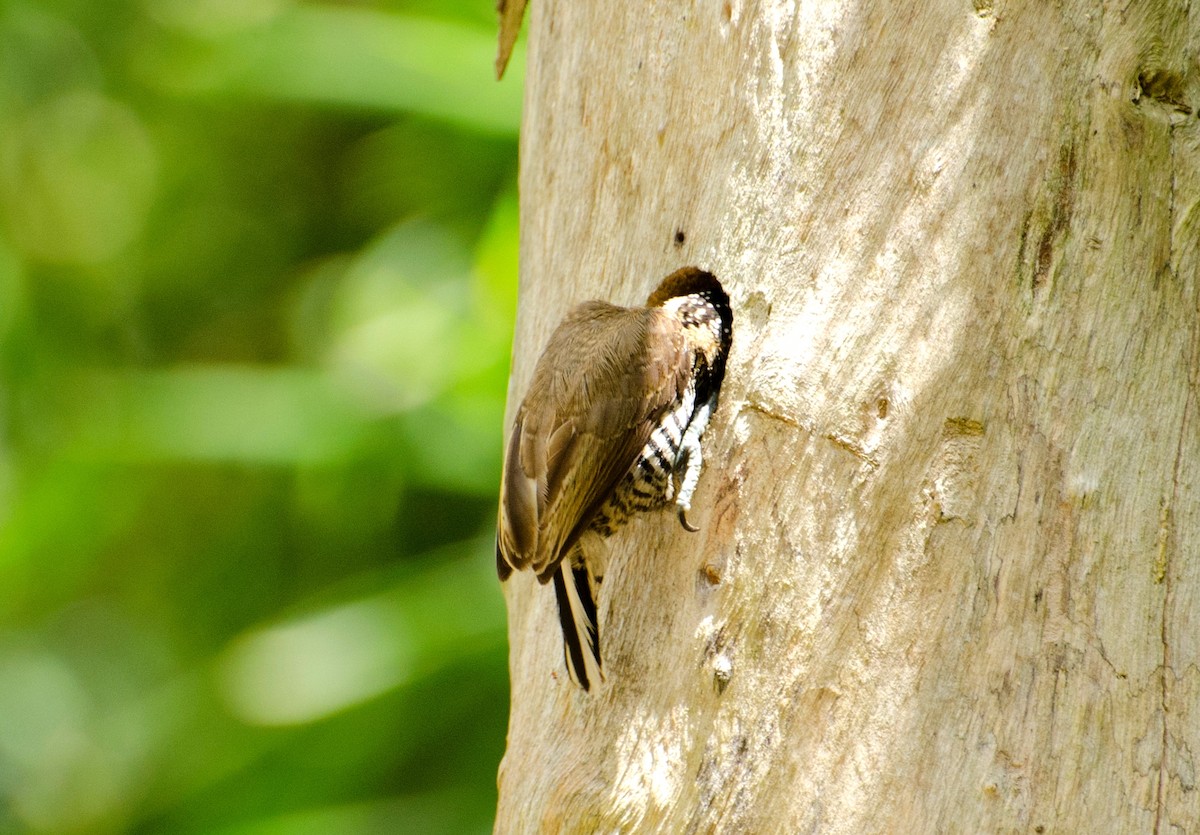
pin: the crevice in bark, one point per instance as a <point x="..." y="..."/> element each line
<point x="1165" y="526"/>
<point x="1061" y="210"/>
<point x="853" y="448"/>
<point x="840" y="441"/>
<point x="767" y="411"/>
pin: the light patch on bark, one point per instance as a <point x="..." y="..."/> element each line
<point x="650" y="770"/>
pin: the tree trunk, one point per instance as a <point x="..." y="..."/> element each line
<point x="949" y="567"/>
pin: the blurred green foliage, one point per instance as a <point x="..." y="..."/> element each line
<point x="257" y="280"/>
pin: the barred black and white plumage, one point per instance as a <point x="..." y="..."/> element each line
<point x="649" y="484"/>
<point x="610" y="427"/>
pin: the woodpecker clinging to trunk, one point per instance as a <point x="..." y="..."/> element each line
<point x="610" y="427"/>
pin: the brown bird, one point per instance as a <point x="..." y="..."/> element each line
<point x="610" y="426"/>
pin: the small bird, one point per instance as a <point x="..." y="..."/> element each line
<point x="610" y="427"/>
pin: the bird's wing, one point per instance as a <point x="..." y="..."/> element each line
<point x="607" y="377"/>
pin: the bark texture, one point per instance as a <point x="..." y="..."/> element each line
<point x="948" y="578"/>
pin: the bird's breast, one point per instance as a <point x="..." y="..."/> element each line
<point x="649" y="484"/>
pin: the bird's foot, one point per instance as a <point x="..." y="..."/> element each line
<point x="687" y="526"/>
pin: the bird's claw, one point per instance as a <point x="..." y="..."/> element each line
<point x="687" y="526"/>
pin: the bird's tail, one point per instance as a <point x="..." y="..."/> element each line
<point x="573" y="585"/>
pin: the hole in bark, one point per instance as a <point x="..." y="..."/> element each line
<point x="680" y="237"/>
<point x="1164" y="87"/>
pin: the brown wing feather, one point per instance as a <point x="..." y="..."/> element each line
<point x="602" y="384"/>
<point x="516" y="529"/>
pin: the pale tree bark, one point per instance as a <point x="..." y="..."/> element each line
<point x="948" y="578"/>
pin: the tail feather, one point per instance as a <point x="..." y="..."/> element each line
<point x="572" y="644"/>
<point x="587" y="603"/>
<point x="580" y="624"/>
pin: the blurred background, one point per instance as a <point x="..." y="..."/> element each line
<point x="257" y="282"/>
